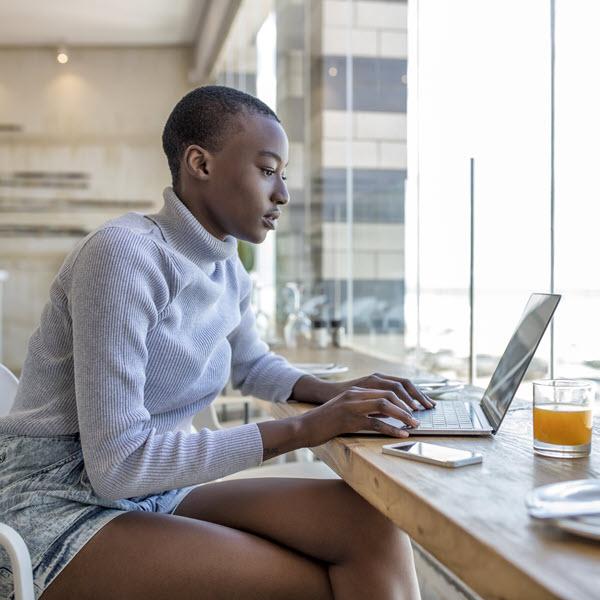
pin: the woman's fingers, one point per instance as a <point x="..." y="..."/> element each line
<point x="383" y="406"/>
<point x="404" y="404"/>
<point x="374" y="424"/>
<point x="415" y="392"/>
<point x="405" y="390"/>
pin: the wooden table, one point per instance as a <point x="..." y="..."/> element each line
<point x="472" y="519"/>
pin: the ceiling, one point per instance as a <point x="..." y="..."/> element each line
<point x="101" y="22"/>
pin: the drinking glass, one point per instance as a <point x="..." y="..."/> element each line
<point x="297" y="328"/>
<point x="562" y="417"/>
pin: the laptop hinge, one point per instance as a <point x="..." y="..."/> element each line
<point x="492" y="419"/>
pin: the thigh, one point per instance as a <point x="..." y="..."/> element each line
<point x="321" y="518"/>
<point x="149" y="556"/>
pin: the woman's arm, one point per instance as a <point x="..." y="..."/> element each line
<point x="353" y="410"/>
<point x="315" y="391"/>
<point x="346" y="407"/>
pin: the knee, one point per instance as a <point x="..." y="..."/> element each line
<point x="385" y="538"/>
<point x="374" y="535"/>
<point x="385" y="546"/>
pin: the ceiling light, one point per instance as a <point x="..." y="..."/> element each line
<point x="332" y="71"/>
<point x="61" y="55"/>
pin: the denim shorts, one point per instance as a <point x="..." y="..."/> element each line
<point x="46" y="495"/>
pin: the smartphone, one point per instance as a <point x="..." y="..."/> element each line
<point x="434" y="454"/>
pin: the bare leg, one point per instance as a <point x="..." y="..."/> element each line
<point x="148" y="556"/>
<point x="325" y="520"/>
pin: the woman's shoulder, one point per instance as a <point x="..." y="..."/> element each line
<point x="129" y="230"/>
<point x="128" y="243"/>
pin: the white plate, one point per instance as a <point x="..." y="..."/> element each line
<point x="437" y="390"/>
<point x="585" y="526"/>
<point x="429" y="380"/>
<point x="557" y="500"/>
<point x="321" y="369"/>
<point x="565" y="499"/>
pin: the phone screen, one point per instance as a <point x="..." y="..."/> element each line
<point x="434" y="452"/>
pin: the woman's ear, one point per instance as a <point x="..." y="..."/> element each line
<point x="196" y="162"/>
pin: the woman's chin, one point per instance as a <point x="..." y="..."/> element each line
<point x="255" y="237"/>
<point x="261" y="238"/>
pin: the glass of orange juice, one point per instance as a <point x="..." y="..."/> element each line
<point x="562" y="417"/>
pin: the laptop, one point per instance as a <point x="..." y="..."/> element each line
<point x="484" y="417"/>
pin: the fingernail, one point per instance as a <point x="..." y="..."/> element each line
<point x="415" y="422"/>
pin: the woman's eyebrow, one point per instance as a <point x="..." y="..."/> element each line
<point x="272" y="155"/>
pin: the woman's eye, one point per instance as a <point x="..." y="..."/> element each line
<point x="269" y="172"/>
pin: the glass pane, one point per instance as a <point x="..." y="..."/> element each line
<point x="342" y="238"/>
<point x="493" y="105"/>
<point x="366" y="108"/>
<point x="295" y="250"/>
<point x="577" y="188"/>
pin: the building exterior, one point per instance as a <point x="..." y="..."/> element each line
<point x="341" y="77"/>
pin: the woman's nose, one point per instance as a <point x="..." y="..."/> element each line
<point x="280" y="194"/>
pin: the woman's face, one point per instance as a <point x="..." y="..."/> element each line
<point x="244" y="184"/>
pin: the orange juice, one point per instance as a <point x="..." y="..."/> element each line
<point x="563" y="424"/>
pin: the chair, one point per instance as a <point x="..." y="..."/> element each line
<point x="20" y="561"/>
<point x="8" y="389"/>
<point x="10" y="540"/>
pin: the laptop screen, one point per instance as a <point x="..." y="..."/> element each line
<point x="518" y="354"/>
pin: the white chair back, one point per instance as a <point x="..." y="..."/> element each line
<point x="10" y="540"/>
<point x="8" y="389"/>
<point x="20" y="561"/>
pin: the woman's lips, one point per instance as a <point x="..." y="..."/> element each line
<point x="269" y="222"/>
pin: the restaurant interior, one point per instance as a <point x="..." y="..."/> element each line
<point x="441" y="171"/>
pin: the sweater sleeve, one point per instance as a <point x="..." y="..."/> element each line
<point x="254" y="369"/>
<point x="118" y="288"/>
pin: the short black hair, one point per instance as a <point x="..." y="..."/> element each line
<point x="204" y="117"/>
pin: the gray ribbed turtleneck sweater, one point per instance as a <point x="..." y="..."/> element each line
<point x="147" y="319"/>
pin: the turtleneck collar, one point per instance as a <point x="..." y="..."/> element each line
<point x="186" y="235"/>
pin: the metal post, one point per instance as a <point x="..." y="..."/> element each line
<point x="552" y="74"/>
<point x="349" y="173"/>
<point x="418" y="354"/>
<point x="472" y="355"/>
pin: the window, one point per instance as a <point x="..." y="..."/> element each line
<point x="385" y="104"/>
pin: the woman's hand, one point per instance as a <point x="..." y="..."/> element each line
<point x="345" y="407"/>
<point x="354" y="410"/>
<point x="316" y="391"/>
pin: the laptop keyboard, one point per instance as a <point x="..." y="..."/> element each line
<point x="446" y="415"/>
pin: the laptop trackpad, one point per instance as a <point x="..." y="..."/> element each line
<point x="393" y="422"/>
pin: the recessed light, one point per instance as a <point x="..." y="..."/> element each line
<point x="61" y="55"/>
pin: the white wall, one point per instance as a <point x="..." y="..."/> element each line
<point x="100" y="115"/>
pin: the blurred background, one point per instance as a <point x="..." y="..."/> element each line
<point x="385" y="103"/>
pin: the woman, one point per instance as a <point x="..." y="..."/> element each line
<point x="148" y="318"/>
